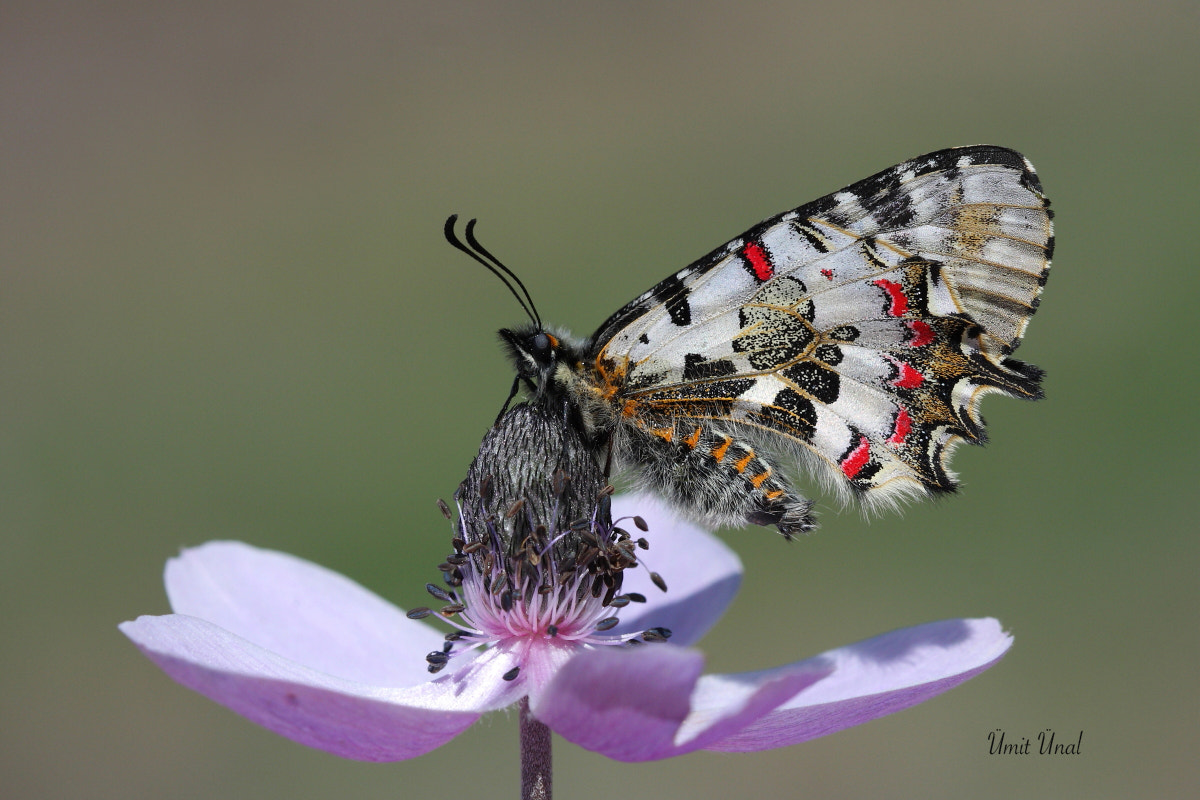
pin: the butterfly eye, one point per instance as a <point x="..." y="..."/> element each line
<point x="540" y="346"/>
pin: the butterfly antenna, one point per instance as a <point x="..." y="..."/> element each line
<point x="453" y="239"/>
<point x="471" y="240"/>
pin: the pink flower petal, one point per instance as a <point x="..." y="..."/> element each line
<point x="701" y="572"/>
<point x="346" y="718"/>
<point x="301" y="611"/>
<point x="877" y="677"/>
<point x="649" y="703"/>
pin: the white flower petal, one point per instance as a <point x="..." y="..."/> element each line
<point x="349" y="719"/>
<point x="877" y="677"/>
<point x="651" y="703"/>
<point x="301" y="611"/>
<point x="701" y="572"/>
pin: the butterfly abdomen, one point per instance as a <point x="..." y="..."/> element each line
<point x="717" y="476"/>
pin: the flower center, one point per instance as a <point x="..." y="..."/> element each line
<point x="557" y="583"/>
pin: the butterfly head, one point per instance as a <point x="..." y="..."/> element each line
<point x="541" y="358"/>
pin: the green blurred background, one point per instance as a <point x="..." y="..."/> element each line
<point x="227" y="311"/>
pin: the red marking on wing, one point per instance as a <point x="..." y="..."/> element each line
<point x="858" y="458"/>
<point x="903" y="426"/>
<point x="896" y="293"/>
<point x="828" y="273"/>
<point x="763" y="269"/>
<point x="922" y="333"/>
<point x="909" y="377"/>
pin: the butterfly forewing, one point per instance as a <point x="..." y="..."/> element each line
<point x="864" y="326"/>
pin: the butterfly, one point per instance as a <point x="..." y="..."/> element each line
<point x="852" y="337"/>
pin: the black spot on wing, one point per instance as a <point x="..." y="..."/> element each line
<point x="792" y="413"/>
<point x="727" y="389"/>
<point x="814" y="380"/>
<point x="714" y="398"/>
<point x="644" y="380"/>
<point x="674" y="295"/>
<point x="812" y="237"/>
<point x="830" y="354"/>
<point x="697" y="368"/>
<point x="880" y="183"/>
<point x="892" y="210"/>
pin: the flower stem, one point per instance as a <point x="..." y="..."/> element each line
<point x="535" y="756"/>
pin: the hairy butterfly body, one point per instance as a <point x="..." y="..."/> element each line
<point x="854" y="335"/>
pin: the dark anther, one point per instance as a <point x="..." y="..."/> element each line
<point x="436" y="668"/>
<point x="656" y="634"/>
<point x="642" y="543"/>
<point x="458" y="559"/>
<point x="451" y="610"/>
<point x="457" y="543"/>
<point x="658" y="581"/>
<point x="437" y="657"/>
<point x="585" y="560"/>
<point x="552" y="631"/>
<point x="641" y="524"/>
<point x="619" y="602"/>
<point x="419" y="613"/>
<point x="607" y="624"/>
<point x="512" y="674"/>
<point x="473" y="547"/>
<point x="499" y="581"/>
<point x="636" y="597"/>
<point x="514" y="509"/>
<point x="445" y="508"/>
<point x="439" y="593"/>
<point x="447" y="647"/>
<point x="506" y="600"/>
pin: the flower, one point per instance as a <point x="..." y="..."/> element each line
<point x="315" y="657"/>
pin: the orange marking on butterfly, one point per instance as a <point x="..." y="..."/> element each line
<point x="759" y="479"/>
<point x="743" y="462"/>
<point x="610" y="377"/>
<point x="720" y="450"/>
<point x="694" y="439"/>
<point x="666" y="434"/>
